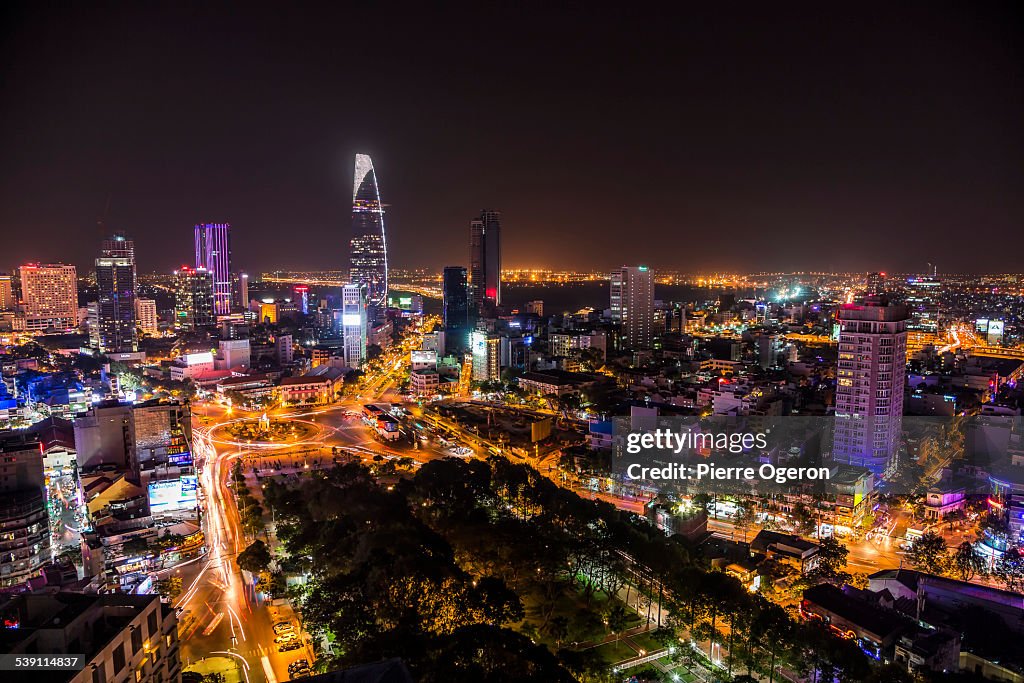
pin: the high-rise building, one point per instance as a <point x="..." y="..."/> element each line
<point x="146" y="317"/>
<point x="213" y="252"/>
<point x="116" y="637"/>
<point x="243" y="291"/>
<point x="632" y="305"/>
<point x="486" y="353"/>
<point x="49" y="295"/>
<point x="118" y="245"/>
<point x="115" y="310"/>
<point x="871" y="372"/>
<point x="24" y="521"/>
<point x="194" y="298"/>
<point x="485" y="260"/>
<point x="922" y="296"/>
<point x="353" y="324"/>
<point x="6" y="292"/>
<point x="875" y="284"/>
<point x="455" y="292"/>
<point x="302" y="298"/>
<point x="284" y="349"/>
<point x="368" y="249"/>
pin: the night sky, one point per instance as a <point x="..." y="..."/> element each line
<point x="767" y="136"/>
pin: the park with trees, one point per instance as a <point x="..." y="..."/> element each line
<point x="486" y="570"/>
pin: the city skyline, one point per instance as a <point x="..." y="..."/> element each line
<point x="690" y="348"/>
<point x="789" y="139"/>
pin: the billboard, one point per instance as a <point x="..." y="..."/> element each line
<point x="981" y="325"/>
<point x="204" y="357"/>
<point x="995" y="332"/>
<point x="173" y="494"/>
<point x="421" y="357"/>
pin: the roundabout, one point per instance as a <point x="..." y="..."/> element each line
<point x="266" y="433"/>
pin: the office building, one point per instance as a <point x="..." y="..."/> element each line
<point x="921" y="295"/>
<point x="632" y="305"/>
<point x="24" y="521"/>
<point x="870" y="378"/>
<point x="485" y="261"/>
<point x="368" y="252"/>
<point x="194" y="298"/>
<point x="49" y="296"/>
<point x="123" y="638"/>
<point x="353" y="324"/>
<point x="213" y="252"/>
<point x="6" y="292"/>
<point x="455" y="292"/>
<point x="146" y="317"/>
<point x="115" y="310"/>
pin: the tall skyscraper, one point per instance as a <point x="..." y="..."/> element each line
<point x="455" y="290"/>
<point x="485" y="260"/>
<point x="213" y="252"/>
<point x="50" y="296"/>
<point x="871" y="373"/>
<point x="632" y="305"/>
<point x="353" y="324"/>
<point x="115" y="310"/>
<point x="368" y="249"/>
<point x="194" y="302"/>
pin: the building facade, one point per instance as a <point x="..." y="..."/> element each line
<point x="368" y="252"/>
<point x="124" y="638"/>
<point x="485" y="260"/>
<point x="50" y="297"/>
<point x="455" y="292"/>
<point x="213" y="252"/>
<point x="115" y="309"/>
<point x="632" y="305"/>
<point x="146" y="317"/>
<point x="486" y="351"/>
<point x="194" y="298"/>
<point x="871" y="375"/>
<point x="353" y="324"/>
<point x="24" y="520"/>
<point x="6" y="292"/>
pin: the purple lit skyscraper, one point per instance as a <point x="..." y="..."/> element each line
<point x="213" y="252"/>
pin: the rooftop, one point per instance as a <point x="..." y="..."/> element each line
<point x="876" y="620"/>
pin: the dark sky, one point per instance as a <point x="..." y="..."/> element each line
<point x="757" y="136"/>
